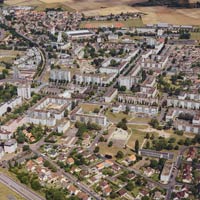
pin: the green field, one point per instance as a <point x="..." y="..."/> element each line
<point x="129" y="23"/>
<point x="116" y="117"/>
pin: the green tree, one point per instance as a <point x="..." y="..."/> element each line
<point x="26" y="148"/>
<point x="119" y="155"/>
<point x="154" y="123"/>
<point x="147" y="145"/>
<point x="137" y="146"/>
<point x="123" y="124"/>
<point x="96" y="150"/>
<point x="153" y="164"/>
<point x="55" y="194"/>
<point x="110" y="144"/>
<point x="129" y="186"/>
<point x="35" y="185"/>
<point x="147" y="136"/>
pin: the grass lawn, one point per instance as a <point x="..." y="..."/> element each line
<point x="116" y="117"/>
<point x="8" y="173"/>
<point x="88" y="108"/>
<point x="139" y="126"/>
<point x="178" y="137"/>
<point x="155" y="177"/>
<point x="135" y="191"/>
<point x="136" y="135"/>
<point x="6" y="193"/>
<point x="129" y="23"/>
<point x="104" y="149"/>
<point x="140" y="120"/>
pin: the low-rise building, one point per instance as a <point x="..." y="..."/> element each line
<point x="79" y="34"/>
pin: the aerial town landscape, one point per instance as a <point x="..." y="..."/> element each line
<point x="99" y="100"/>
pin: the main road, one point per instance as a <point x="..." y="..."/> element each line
<point x="22" y="190"/>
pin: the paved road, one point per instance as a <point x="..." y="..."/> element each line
<point x="19" y="188"/>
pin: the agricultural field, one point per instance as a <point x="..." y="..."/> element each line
<point x="170" y="15"/>
<point x="117" y="24"/>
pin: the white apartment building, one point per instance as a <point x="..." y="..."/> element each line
<point x="130" y="80"/>
<point x="143" y="109"/>
<point x="139" y="98"/>
<point x="5" y="135"/>
<point x="187" y="104"/>
<point x="10" y="146"/>
<point x="61" y="75"/>
<point x="48" y="111"/>
<point x="24" y="91"/>
<point x="63" y="126"/>
<point x="78" y="115"/>
<point x="99" y="79"/>
<point x="1" y="153"/>
<point x="10" y="105"/>
<point x="154" y="61"/>
<point x="110" y="95"/>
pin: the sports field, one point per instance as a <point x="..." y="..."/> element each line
<point x="117" y="24"/>
<point x="195" y="36"/>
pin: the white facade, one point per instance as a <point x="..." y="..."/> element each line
<point x="145" y="109"/>
<point x="10" y="146"/>
<point x="63" y="126"/>
<point x="48" y="111"/>
<point x="78" y="115"/>
<point x="58" y="74"/>
<point x="10" y="104"/>
<point x="110" y="95"/>
<point x="166" y="172"/>
<point x="1" y="153"/>
<point x="24" y="91"/>
<point x="5" y="135"/>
